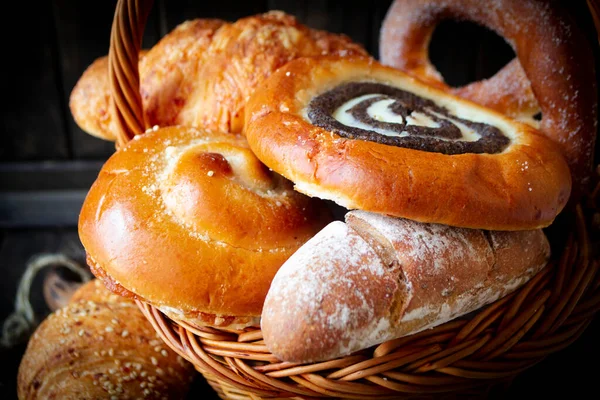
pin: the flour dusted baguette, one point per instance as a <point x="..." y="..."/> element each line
<point x="374" y="278"/>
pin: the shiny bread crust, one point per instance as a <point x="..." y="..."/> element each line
<point x="192" y="222"/>
<point x="523" y="187"/>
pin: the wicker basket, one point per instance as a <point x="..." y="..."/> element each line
<point x="467" y="355"/>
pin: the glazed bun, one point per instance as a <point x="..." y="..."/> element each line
<point x="194" y="224"/>
<point x="100" y="346"/>
<point x="373" y="138"/>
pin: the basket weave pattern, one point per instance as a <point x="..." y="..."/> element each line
<point x="466" y="355"/>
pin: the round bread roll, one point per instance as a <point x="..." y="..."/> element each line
<point x="554" y="71"/>
<point x="201" y="73"/>
<point x="100" y="346"/>
<point x="194" y="224"/>
<point x="370" y="137"/>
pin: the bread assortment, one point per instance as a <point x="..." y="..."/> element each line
<point x="223" y="216"/>
<point x="100" y="346"/>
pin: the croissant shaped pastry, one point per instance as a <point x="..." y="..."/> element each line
<point x="100" y="346"/>
<point x="202" y="72"/>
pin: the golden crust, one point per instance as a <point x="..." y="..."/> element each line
<point x="163" y="87"/>
<point x="169" y="72"/>
<point x="192" y="222"/>
<point x="202" y="72"/>
<point x="242" y="55"/>
<point x="488" y="191"/>
<point x="90" y="102"/>
<point x="100" y="345"/>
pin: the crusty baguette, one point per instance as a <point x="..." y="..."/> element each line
<point x="376" y="278"/>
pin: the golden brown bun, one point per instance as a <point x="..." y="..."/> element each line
<point x="100" y="346"/>
<point x="202" y="72"/>
<point x="96" y="292"/>
<point x="524" y="186"/>
<point x="555" y="66"/>
<point x="192" y="222"/>
<point x="405" y="277"/>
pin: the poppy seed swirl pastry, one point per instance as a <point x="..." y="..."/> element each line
<point x="373" y="138"/>
<point x="194" y="224"/>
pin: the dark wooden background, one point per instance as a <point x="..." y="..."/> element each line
<point x="47" y="163"/>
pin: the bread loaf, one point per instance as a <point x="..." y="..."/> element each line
<point x="100" y="346"/>
<point x="202" y="72"/>
<point x="375" y="278"/>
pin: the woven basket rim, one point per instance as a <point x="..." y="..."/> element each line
<point x="494" y="345"/>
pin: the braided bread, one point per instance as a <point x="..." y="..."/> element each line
<point x="202" y="72"/>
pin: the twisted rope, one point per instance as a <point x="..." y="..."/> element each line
<point x="21" y="323"/>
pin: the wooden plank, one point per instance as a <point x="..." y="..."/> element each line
<point x="176" y="12"/>
<point x="31" y="123"/>
<point x="17" y="250"/>
<point x="48" y="175"/>
<point x="83" y="31"/>
<point x="40" y="208"/>
<point x="354" y="22"/>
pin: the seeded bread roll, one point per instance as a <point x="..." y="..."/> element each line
<point x="100" y="346"/>
<point x="376" y="278"/>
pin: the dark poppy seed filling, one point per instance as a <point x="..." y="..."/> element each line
<point x="402" y="119"/>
